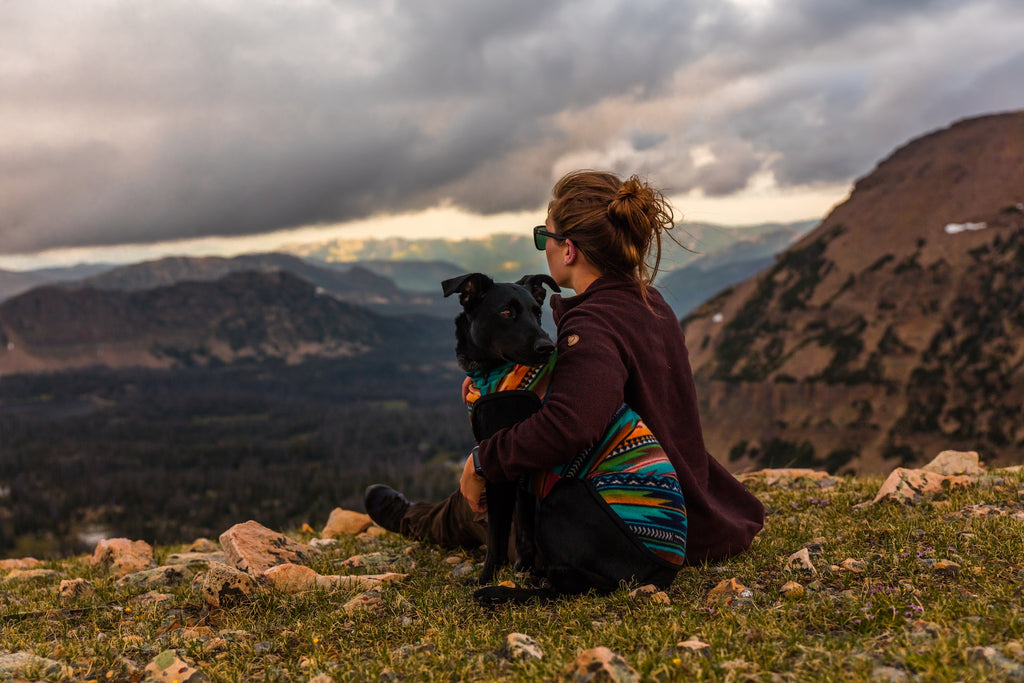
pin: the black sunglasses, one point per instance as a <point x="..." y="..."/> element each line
<point x="541" y="235"/>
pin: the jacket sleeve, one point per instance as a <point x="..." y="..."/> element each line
<point x="587" y="387"/>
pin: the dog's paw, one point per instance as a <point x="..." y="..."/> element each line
<point x="488" y="596"/>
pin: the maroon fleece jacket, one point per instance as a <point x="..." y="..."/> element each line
<point x="614" y="349"/>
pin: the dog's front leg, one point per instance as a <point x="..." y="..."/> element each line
<point x="525" y="529"/>
<point x="501" y="501"/>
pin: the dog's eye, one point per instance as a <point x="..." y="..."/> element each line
<point x="507" y="313"/>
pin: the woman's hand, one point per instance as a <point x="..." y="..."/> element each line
<point x="473" y="486"/>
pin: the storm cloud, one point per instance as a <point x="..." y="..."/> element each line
<point x="141" y="122"/>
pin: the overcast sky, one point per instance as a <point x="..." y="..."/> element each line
<point x="126" y="122"/>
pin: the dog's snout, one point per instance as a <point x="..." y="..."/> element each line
<point x="544" y="345"/>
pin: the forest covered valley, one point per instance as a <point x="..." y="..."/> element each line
<point x="168" y="456"/>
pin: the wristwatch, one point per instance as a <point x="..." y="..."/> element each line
<point x="476" y="462"/>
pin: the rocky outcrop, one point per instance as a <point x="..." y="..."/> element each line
<point x="881" y="336"/>
<point x="122" y="556"/>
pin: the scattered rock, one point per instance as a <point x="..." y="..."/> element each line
<point x="196" y="559"/>
<point x="364" y="603"/>
<point x="520" y="646"/>
<point x="372" y="561"/>
<point x="291" y="578"/>
<point x="203" y="545"/>
<point x="853" y="566"/>
<point x="158" y="577"/>
<point x="296" y="578"/>
<point x="792" y="590"/>
<point x="224" y="586"/>
<point x="122" y="556"/>
<point x="323" y="543"/>
<point x="693" y="644"/>
<point x="814" y="547"/>
<point x="601" y="664"/>
<point x="20" y="563"/>
<point x="168" y="666"/>
<point x="956" y="462"/>
<point x="32" y="575"/>
<point x="254" y="548"/>
<point x="366" y="581"/>
<point x="888" y="673"/>
<point x="650" y="593"/>
<point x="946" y="568"/>
<point x="1007" y="668"/>
<point x="324" y="678"/>
<point x="22" y="665"/>
<point x="71" y="590"/>
<point x="801" y="560"/>
<point x="346" y="523"/>
<point x="911" y="486"/>
<point x="463" y="570"/>
<point x="373" y="533"/>
<point x="1004" y="509"/>
<point x="407" y="651"/>
<point x="791" y="478"/>
<point x="727" y="591"/>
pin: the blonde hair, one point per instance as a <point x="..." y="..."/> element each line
<point x="617" y="224"/>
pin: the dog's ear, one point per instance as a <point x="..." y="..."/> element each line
<point x="471" y="287"/>
<point x="535" y="283"/>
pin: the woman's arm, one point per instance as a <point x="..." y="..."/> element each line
<point x="587" y="387"/>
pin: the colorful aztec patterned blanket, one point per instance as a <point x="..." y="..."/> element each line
<point x="626" y="466"/>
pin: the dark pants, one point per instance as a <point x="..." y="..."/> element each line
<point x="450" y="523"/>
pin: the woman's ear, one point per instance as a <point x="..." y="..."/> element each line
<point x="570" y="252"/>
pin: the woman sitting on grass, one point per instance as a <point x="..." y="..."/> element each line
<point x="618" y="342"/>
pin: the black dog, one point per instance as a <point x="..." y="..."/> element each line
<point x="500" y="324"/>
<point x="613" y="512"/>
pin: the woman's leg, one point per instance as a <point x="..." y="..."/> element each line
<point x="450" y="523"/>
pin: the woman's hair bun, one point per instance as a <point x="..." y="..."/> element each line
<point x="634" y="200"/>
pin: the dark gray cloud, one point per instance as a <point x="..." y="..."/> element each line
<point x="144" y="122"/>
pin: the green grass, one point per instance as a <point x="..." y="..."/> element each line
<point x="898" y="612"/>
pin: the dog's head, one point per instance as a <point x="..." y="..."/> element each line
<point x="500" y="322"/>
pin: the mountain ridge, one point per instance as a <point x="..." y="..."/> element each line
<point x="244" y="316"/>
<point x="859" y="345"/>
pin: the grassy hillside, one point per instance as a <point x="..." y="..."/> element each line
<point x="930" y="591"/>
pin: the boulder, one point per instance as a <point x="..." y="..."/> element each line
<point x="956" y="462"/>
<point x="32" y="575"/>
<point x="346" y="523"/>
<point x="20" y="563"/>
<point x="158" y="577"/>
<point x="122" y="556"/>
<point x="911" y="486"/>
<point x="224" y="586"/>
<point x="254" y="548"/>
<point x="203" y="545"/>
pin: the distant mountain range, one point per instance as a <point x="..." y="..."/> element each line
<point x="893" y="330"/>
<point x="242" y="317"/>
